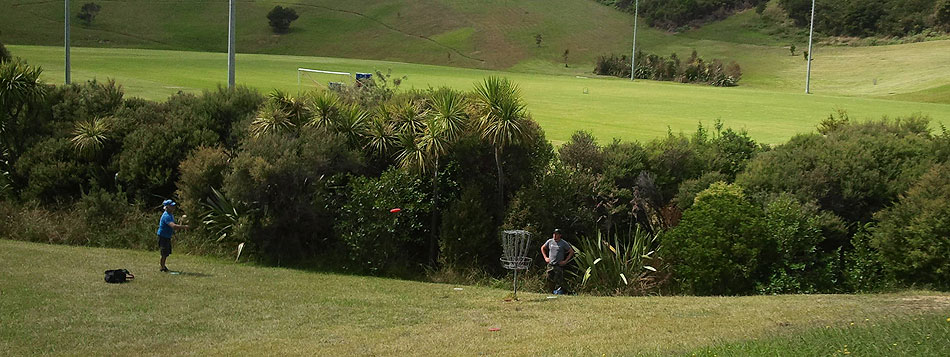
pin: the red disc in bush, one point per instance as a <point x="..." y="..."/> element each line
<point x="395" y="210"/>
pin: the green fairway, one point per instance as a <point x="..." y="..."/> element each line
<point x="612" y="107"/>
<point x="55" y="301"/>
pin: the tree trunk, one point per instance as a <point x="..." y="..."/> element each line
<point x="434" y="223"/>
<point x="501" y="181"/>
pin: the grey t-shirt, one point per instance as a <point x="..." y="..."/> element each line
<point x="557" y="251"/>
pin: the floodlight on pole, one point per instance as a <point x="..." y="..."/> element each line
<point x="67" y="41"/>
<point x="230" y="44"/>
<point x="633" y="57"/>
<point x="811" y="32"/>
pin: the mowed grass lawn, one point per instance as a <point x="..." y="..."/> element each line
<point x="53" y="301"/>
<point x="610" y="108"/>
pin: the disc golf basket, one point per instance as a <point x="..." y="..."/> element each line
<point x="514" y="254"/>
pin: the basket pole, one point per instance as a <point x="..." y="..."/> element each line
<point x="515" y="296"/>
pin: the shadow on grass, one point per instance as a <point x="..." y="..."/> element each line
<point x="190" y="274"/>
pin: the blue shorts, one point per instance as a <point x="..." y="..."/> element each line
<point x="165" y="246"/>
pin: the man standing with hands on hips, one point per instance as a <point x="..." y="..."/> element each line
<point x="557" y="253"/>
<point x="166" y="228"/>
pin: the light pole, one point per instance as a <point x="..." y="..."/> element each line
<point x="230" y="44"/>
<point x="811" y="32"/>
<point x="67" y="41"/>
<point x="633" y="57"/>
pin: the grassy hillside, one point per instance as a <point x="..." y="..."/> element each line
<point x="55" y="302"/>
<point x="612" y="107"/>
<point x="492" y="34"/>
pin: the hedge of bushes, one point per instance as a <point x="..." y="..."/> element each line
<point x="673" y="14"/>
<point x="312" y="180"/>
<point x="864" y="18"/>
<point x="690" y="70"/>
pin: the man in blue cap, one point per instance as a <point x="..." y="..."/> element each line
<point x="166" y="228"/>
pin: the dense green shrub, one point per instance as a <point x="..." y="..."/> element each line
<point x="807" y="243"/>
<point x="51" y="172"/>
<point x="721" y="246"/>
<point x="582" y="152"/>
<point x="284" y="181"/>
<point x="201" y="172"/>
<point x="148" y="164"/>
<point x="623" y="162"/>
<point x="380" y="241"/>
<point x="225" y="112"/>
<point x="675" y="159"/>
<point x="690" y="188"/>
<point x="913" y="236"/>
<point x="852" y="171"/>
<point x="563" y="198"/>
<point x="468" y="234"/>
<point x="863" y="270"/>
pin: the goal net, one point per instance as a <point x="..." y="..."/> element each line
<point x="323" y="79"/>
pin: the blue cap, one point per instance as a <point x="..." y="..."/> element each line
<point x="168" y="203"/>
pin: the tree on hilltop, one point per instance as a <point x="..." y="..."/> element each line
<point x="280" y="18"/>
<point x="88" y="12"/>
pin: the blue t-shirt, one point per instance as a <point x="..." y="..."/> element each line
<point x="164" y="230"/>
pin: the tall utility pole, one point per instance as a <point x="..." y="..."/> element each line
<point x="811" y="32"/>
<point x="67" y="41"/>
<point x="633" y="58"/>
<point x="231" y="44"/>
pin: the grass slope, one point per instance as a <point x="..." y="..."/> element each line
<point x="614" y="108"/>
<point x="488" y="34"/>
<point x="55" y="302"/>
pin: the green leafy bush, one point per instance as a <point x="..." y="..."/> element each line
<point x="201" y="173"/>
<point x="692" y="187"/>
<point x="51" y="172"/>
<point x="807" y="243"/>
<point x="721" y="245"/>
<point x="148" y="164"/>
<point x="284" y="183"/>
<point x="913" y="236"/>
<point x="582" y="152"/>
<point x="468" y="234"/>
<point x="852" y="171"/>
<point x="563" y="198"/>
<point x="380" y="241"/>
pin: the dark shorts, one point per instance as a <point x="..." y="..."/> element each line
<point x="165" y="246"/>
<point x="555" y="275"/>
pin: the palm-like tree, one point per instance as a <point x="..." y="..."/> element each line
<point x="296" y="108"/>
<point x="20" y="87"/>
<point x="409" y="116"/>
<point x="380" y="136"/>
<point x="324" y="108"/>
<point x="422" y="149"/>
<point x="272" y="118"/>
<point x="351" y="124"/>
<point x="90" y="136"/>
<point x="501" y="119"/>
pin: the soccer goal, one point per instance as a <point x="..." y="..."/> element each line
<point x="324" y="79"/>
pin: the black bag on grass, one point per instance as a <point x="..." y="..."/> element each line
<point x="118" y="276"/>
